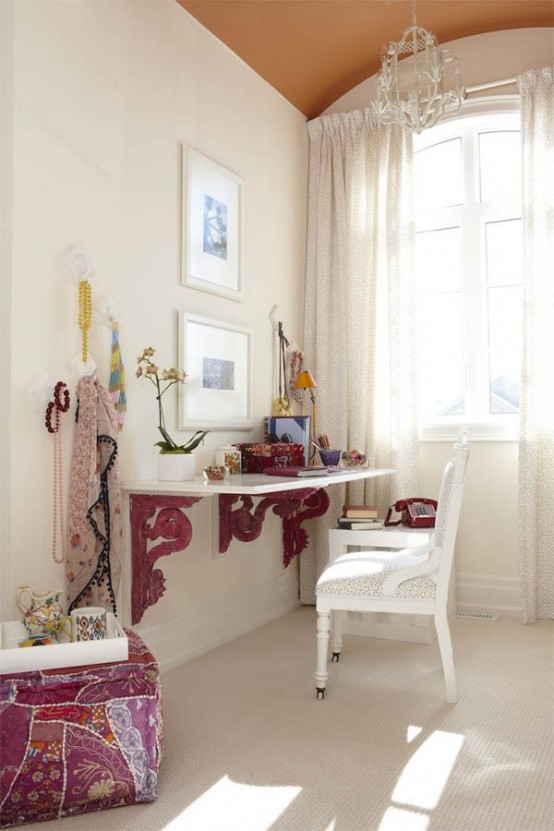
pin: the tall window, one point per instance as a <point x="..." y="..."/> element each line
<point x="469" y="267"/>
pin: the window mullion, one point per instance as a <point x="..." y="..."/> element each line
<point x="471" y="284"/>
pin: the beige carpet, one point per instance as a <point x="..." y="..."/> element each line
<point x="249" y="748"/>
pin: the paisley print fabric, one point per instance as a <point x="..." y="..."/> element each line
<point x="79" y="740"/>
<point x="93" y="567"/>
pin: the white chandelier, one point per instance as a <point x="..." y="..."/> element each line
<point x="419" y="90"/>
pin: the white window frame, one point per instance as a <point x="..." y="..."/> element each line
<point x="473" y="113"/>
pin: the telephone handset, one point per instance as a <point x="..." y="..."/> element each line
<point x="415" y="513"/>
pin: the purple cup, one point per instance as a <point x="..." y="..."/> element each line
<point x="330" y="458"/>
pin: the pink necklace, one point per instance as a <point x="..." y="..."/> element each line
<point x="52" y="422"/>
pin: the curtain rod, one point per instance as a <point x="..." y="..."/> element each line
<point x="490" y="85"/>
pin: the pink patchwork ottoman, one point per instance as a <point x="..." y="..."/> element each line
<point x="80" y="739"/>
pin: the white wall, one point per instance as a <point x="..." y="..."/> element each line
<point x="487" y="573"/>
<point x="6" y="26"/>
<point x="105" y="93"/>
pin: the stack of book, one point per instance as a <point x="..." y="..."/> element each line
<point x="359" y="518"/>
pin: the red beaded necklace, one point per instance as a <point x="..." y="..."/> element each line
<point x="52" y="422"/>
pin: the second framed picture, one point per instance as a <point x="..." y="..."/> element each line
<point x="213" y="226"/>
<point x="217" y="357"/>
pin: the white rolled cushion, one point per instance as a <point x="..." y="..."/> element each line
<point x="361" y="574"/>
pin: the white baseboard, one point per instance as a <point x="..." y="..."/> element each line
<point x="182" y="638"/>
<point x="474" y="593"/>
<point x="488" y="594"/>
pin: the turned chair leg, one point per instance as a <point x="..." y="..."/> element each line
<point x="336" y="637"/>
<point x="323" y="628"/>
<point x="447" y="655"/>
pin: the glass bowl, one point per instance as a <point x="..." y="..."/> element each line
<point x="354" y="460"/>
<point x="215" y="473"/>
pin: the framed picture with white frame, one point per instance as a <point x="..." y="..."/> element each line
<point x="213" y="227"/>
<point x="217" y="358"/>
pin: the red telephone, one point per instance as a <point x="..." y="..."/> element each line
<point x="415" y="513"/>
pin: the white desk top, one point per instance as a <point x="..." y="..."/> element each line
<point x="252" y="484"/>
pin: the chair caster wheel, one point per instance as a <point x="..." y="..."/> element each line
<point x="320" y="693"/>
<point x="335" y="657"/>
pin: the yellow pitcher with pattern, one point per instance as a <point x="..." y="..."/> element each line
<point x="42" y="613"/>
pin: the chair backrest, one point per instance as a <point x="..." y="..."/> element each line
<point x="448" y="511"/>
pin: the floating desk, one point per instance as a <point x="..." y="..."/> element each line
<point x="157" y="510"/>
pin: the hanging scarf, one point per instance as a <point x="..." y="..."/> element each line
<point x="94" y="525"/>
<point x="117" y="378"/>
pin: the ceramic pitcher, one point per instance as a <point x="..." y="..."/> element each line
<point x="42" y="613"/>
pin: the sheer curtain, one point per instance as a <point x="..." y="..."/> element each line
<point x="536" y="448"/>
<point x="359" y="328"/>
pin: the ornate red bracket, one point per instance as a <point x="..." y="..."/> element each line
<point x="294" y="507"/>
<point x="148" y="583"/>
<point x="154" y="516"/>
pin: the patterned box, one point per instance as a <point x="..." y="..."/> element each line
<point x="256" y="457"/>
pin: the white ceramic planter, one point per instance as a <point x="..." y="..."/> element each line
<point x="176" y="467"/>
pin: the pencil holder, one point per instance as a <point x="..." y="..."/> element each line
<point x="330" y="457"/>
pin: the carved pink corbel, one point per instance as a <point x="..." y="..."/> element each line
<point x="153" y="516"/>
<point x="294" y="507"/>
<point x="171" y="524"/>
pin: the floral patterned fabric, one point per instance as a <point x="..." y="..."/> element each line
<point x="81" y="739"/>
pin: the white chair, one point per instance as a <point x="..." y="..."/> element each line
<point x="411" y="581"/>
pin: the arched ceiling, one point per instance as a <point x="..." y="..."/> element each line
<point x="314" y="51"/>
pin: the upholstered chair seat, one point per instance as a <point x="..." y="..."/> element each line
<point x="358" y="575"/>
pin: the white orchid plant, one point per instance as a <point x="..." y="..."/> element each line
<point x="164" y="379"/>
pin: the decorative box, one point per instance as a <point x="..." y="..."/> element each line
<point x="256" y="457"/>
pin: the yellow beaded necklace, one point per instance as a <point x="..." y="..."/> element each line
<point x="85" y="315"/>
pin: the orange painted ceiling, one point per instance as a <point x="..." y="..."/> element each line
<point x="314" y="51"/>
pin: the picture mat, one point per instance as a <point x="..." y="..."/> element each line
<point x="217" y="359"/>
<point x="205" y="270"/>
